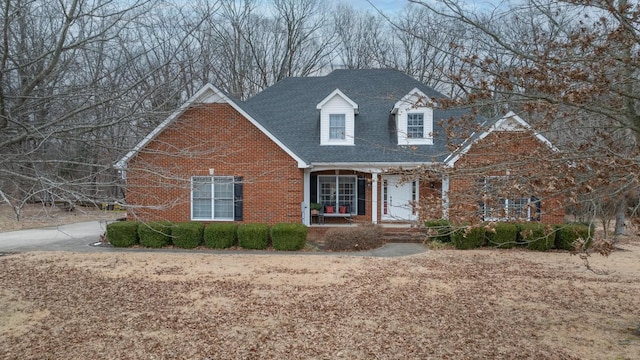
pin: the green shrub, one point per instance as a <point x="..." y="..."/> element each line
<point x="288" y="236"/>
<point x="568" y="234"/>
<point x="122" y="233"/>
<point x="253" y="236"/>
<point x="220" y="235"/>
<point x="503" y="235"/>
<point x="438" y="230"/>
<point x="155" y="234"/>
<point x="361" y="237"/>
<point x="187" y="235"/>
<point x="536" y="236"/>
<point x="469" y="237"/>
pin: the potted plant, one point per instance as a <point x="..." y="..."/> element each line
<point x="315" y="208"/>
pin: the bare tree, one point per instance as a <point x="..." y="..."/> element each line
<point x="572" y="66"/>
<point x="57" y="92"/>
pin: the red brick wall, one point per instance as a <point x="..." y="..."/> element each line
<point x="519" y="154"/>
<point x="213" y="136"/>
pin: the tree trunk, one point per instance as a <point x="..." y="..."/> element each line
<point x="621" y="211"/>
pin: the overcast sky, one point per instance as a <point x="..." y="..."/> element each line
<point x="382" y="5"/>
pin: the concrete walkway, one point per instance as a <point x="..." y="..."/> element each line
<point x="80" y="237"/>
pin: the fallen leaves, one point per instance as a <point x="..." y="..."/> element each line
<point x="441" y="305"/>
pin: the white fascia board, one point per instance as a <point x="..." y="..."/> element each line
<point x="342" y="95"/>
<point x="209" y="94"/>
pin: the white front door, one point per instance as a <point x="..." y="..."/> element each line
<point x="397" y="198"/>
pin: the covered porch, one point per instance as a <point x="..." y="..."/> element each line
<point x="350" y="195"/>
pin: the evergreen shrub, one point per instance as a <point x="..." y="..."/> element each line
<point x="536" y="236"/>
<point x="469" y="237"/>
<point x="122" y="233"/>
<point x="288" y="236"/>
<point x="253" y="236"/>
<point x="504" y="235"/>
<point x="187" y="235"/>
<point x="220" y="235"/>
<point x="568" y="234"/>
<point x="155" y="234"/>
<point x="438" y="230"/>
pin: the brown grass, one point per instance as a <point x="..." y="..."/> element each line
<point x="480" y="304"/>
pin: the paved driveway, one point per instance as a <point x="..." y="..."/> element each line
<point x="71" y="237"/>
<point x="79" y="237"/>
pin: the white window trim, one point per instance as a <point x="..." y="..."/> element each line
<point x="424" y="134"/>
<point x="505" y="205"/>
<point x="344" y="129"/>
<point x="212" y="180"/>
<point x="354" y="209"/>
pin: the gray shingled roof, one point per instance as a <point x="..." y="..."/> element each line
<point x="288" y="110"/>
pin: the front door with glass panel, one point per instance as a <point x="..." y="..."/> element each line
<point x="398" y="198"/>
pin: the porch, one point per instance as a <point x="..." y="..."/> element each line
<point x="365" y="195"/>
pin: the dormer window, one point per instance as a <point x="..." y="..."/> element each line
<point x="337" y="119"/>
<point x="415" y="126"/>
<point x="337" y="127"/>
<point x="414" y="119"/>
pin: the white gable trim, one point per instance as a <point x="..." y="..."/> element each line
<point x="209" y="94"/>
<point x="342" y="95"/>
<point x="510" y="122"/>
<point x="414" y="98"/>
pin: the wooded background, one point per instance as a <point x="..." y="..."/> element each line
<point x="82" y="81"/>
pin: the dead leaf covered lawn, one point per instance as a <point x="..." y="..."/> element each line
<point x="441" y="304"/>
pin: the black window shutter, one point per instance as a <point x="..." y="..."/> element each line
<point x="362" y="201"/>
<point x="237" y="193"/>
<point x="314" y="188"/>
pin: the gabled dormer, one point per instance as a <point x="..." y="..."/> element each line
<point x="337" y="119"/>
<point x="414" y="119"/>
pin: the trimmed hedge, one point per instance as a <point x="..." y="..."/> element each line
<point x="362" y="237"/>
<point x="220" y="235"/>
<point x="122" y="233"/>
<point x="568" y="234"/>
<point x="187" y="235"/>
<point x="536" y="236"/>
<point x="288" y="236"/>
<point x="438" y="230"/>
<point x="503" y="235"/>
<point x="470" y="237"/>
<point x="253" y="236"/>
<point x="155" y="234"/>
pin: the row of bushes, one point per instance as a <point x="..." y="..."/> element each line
<point x="188" y="235"/>
<point x="534" y="236"/>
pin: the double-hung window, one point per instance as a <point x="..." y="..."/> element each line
<point x="415" y="125"/>
<point x="212" y="198"/>
<point x="339" y="192"/>
<point x="501" y="202"/>
<point x="337" y="127"/>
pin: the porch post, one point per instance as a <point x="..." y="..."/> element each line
<point x="374" y="197"/>
<point x="306" y="180"/>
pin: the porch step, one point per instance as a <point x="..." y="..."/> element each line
<point x="403" y="235"/>
<point x="393" y="234"/>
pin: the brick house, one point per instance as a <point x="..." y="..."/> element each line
<point x="349" y="140"/>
